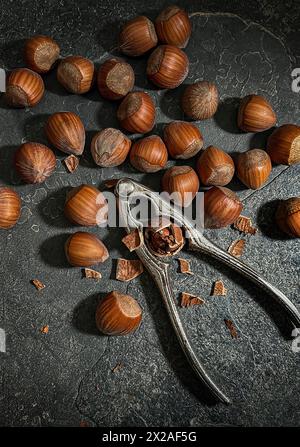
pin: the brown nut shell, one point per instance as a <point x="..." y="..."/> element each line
<point x="253" y="168"/>
<point x="65" y="131"/>
<point x="284" y="145"/>
<point x="256" y="114"/>
<point x="167" y="66"/>
<point x="76" y="74"/>
<point x="34" y="162"/>
<point x="183" y="139"/>
<point x="118" y="314"/>
<point x="136" y="112"/>
<point x="221" y="207"/>
<point x="86" y="205"/>
<point x="24" y="88"/>
<point x="41" y="53"/>
<point x="149" y="154"/>
<point x="84" y="250"/>
<point x="10" y="207"/>
<point x="110" y="147"/>
<point x="182" y="182"/>
<point x="115" y="79"/>
<point x="137" y="36"/>
<point x="288" y="216"/>
<point x="173" y="26"/>
<point x="200" y="100"/>
<point x="215" y="167"/>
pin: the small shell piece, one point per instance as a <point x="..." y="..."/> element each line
<point x="128" y="269"/>
<point x="71" y="162"/>
<point x="38" y="284"/>
<point x="236" y="248"/>
<point x="231" y="327"/>
<point x="184" y="266"/>
<point x="189" y="300"/>
<point x="133" y="240"/>
<point x="244" y="225"/>
<point x="219" y="289"/>
<point x="90" y="273"/>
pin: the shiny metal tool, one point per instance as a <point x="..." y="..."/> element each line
<point x="127" y="191"/>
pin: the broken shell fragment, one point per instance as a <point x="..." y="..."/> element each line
<point x="189" y="300"/>
<point x="71" y="163"/>
<point x="219" y="289"/>
<point x="236" y="248"/>
<point x="244" y="225"/>
<point x="128" y="269"/>
<point x="133" y="240"/>
<point x="184" y="266"/>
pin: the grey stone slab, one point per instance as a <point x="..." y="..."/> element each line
<point x="65" y="376"/>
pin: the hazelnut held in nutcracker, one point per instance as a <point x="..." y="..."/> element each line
<point x="215" y="167"/>
<point x="253" y="168"/>
<point x="183" y="139"/>
<point x="84" y="250"/>
<point x="137" y="36"/>
<point x="86" y="205"/>
<point x="167" y="66"/>
<point x="41" y="53"/>
<point x="136" y="112"/>
<point x="221" y="207"/>
<point x="149" y="154"/>
<point x="255" y="114"/>
<point x="288" y="216"/>
<point x="66" y="132"/>
<point x="10" y="207"/>
<point x="163" y="237"/>
<point x="115" y="79"/>
<point x="110" y="147"/>
<point x="283" y="145"/>
<point x="34" y="162"/>
<point x="24" y="88"/>
<point x="173" y="26"/>
<point x="118" y="314"/>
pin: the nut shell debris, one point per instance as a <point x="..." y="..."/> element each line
<point x="244" y="225"/>
<point x="133" y="240"/>
<point x="232" y="328"/>
<point x="71" y="163"/>
<point x="189" y="300"/>
<point x="237" y="247"/>
<point x="44" y="329"/>
<point x="184" y="266"/>
<point x="128" y="269"/>
<point x="38" y="284"/>
<point x="219" y="289"/>
<point x="90" y="273"/>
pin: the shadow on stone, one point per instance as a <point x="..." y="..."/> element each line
<point x="84" y="315"/>
<point x="51" y="209"/>
<point x="226" y="115"/>
<point x="8" y="175"/>
<point x="259" y="140"/>
<point x="266" y="221"/>
<point x="52" y="251"/>
<point x="34" y="129"/>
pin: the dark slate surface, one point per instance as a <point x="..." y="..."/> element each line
<point x="65" y="377"/>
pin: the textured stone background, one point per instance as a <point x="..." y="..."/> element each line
<point x="65" y="377"/>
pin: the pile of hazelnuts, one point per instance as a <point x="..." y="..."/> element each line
<point x="167" y="68"/>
